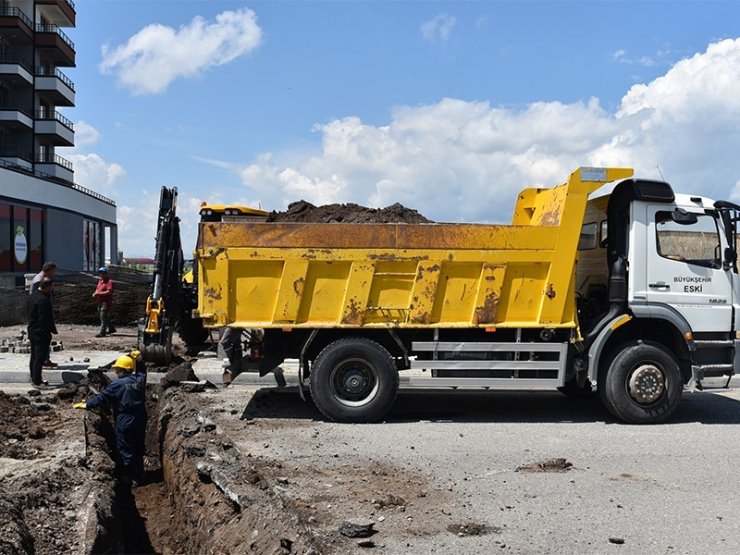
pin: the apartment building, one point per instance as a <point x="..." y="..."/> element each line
<point x="44" y="214"/>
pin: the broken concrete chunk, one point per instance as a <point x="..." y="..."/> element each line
<point x="357" y="528"/>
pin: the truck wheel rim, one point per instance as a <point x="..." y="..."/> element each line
<point x="354" y="382"/>
<point x="646" y="384"/>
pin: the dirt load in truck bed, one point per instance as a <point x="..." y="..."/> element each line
<point x="303" y="211"/>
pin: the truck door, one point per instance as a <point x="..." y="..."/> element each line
<point x="684" y="267"/>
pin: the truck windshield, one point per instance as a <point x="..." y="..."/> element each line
<point x="695" y="243"/>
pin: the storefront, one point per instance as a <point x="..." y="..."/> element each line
<point x="21" y="238"/>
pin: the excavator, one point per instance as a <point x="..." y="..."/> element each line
<point x="174" y="295"/>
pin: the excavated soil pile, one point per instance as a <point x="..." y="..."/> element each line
<point x="56" y="477"/>
<point x="303" y="211"/>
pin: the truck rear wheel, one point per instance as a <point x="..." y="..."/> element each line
<point x="643" y="383"/>
<point x="354" y="380"/>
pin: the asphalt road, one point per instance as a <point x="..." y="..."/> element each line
<point x="668" y="488"/>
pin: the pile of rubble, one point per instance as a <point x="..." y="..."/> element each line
<point x="22" y="345"/>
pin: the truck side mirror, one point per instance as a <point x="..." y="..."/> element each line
<point x="682" y="217"/>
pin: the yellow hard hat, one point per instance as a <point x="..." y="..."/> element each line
<point x="135" y="354"/>
<point x="125" y="363"/>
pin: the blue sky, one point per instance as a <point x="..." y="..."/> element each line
<point x="448" y="107"/>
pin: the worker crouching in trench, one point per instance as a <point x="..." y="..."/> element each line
<point x="127" y="396"/>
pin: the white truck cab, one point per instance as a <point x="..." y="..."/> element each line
<point x="658" y="272"/>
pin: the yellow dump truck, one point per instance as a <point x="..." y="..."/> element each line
<point x="629" y="292"/>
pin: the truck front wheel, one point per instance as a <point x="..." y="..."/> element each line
<point x="642" y="384"/>
<point x="354" y="380"/>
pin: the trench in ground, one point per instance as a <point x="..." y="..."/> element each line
<point x="199" y="494"/>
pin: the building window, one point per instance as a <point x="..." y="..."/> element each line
<point x="36" y="238"/>
<point x="90" y="245"/>
<point x="20" y="238"/>
<point x="6" y="246"/>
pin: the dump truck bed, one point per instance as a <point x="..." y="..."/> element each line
<point x="283" y="275"/>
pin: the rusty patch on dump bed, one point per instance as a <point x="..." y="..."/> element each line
<point x="212" y="293"/>
<point x="486" y="314"/>
<point x="551" y="216"/>
<point x="298" y="286"/>
<point x="355" y="315"/>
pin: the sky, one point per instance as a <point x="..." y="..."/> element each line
<point x="450" y="108"/>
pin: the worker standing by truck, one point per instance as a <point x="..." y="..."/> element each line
<point x="127" y="396"/>
<point x="103" y="296"/>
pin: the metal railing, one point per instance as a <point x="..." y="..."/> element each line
<point x="43" y="71"/>
<point x="41" y="28"/>
<point x="54" y="115"/>
<point x="16" y="107"/>
<point x="58" y="180"/>
<point x="10" y="58"/>
<point x="49" y="158"/>
<point x="7" y="11"/>
<point x="16" y="152"/>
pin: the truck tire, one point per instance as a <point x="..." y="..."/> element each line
<point x="642" y="384"/>
<point x="354" y="380"/>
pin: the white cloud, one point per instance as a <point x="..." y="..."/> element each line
<point x="158" y="54"/>
<point x="438" y="28"/>
<point x="94" y="173"/>
<point x="85" y="134"/>
<point x="461" y="160"/>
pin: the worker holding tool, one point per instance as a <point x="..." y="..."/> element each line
<point x="126" y="395"/>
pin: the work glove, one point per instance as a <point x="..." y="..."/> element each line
<point x="79" y="406"/>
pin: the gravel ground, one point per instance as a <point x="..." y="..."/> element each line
<point x="669" y="488"/>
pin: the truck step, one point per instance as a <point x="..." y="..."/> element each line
<point x="713" y="343"/>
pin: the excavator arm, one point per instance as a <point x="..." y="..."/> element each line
<point x="168" y="308"/>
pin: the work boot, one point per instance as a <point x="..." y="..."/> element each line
<point x="100" y="334"/>
<point x="111" y="330"/>
<point x="49" y="364"/>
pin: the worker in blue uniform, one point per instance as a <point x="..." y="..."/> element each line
<point x="127" y="396"/>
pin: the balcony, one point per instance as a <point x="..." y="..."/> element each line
<point x="15" y="69"/>
<point x="55" y="166"/>
<point x="58" y="46"/>
<point x="54" y="125"/>
<point x="14" y="18"/>
<point x="16" y="156"/>
<point x="56" y="86"/>
<point x="15" y="115"/>
<point x="58" y="12"/>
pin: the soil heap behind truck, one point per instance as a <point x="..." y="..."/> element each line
<point x="632" y="293"/>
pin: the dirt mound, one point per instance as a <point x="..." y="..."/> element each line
<point x="56" y="486"/>
<point x="303" y="211"/>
